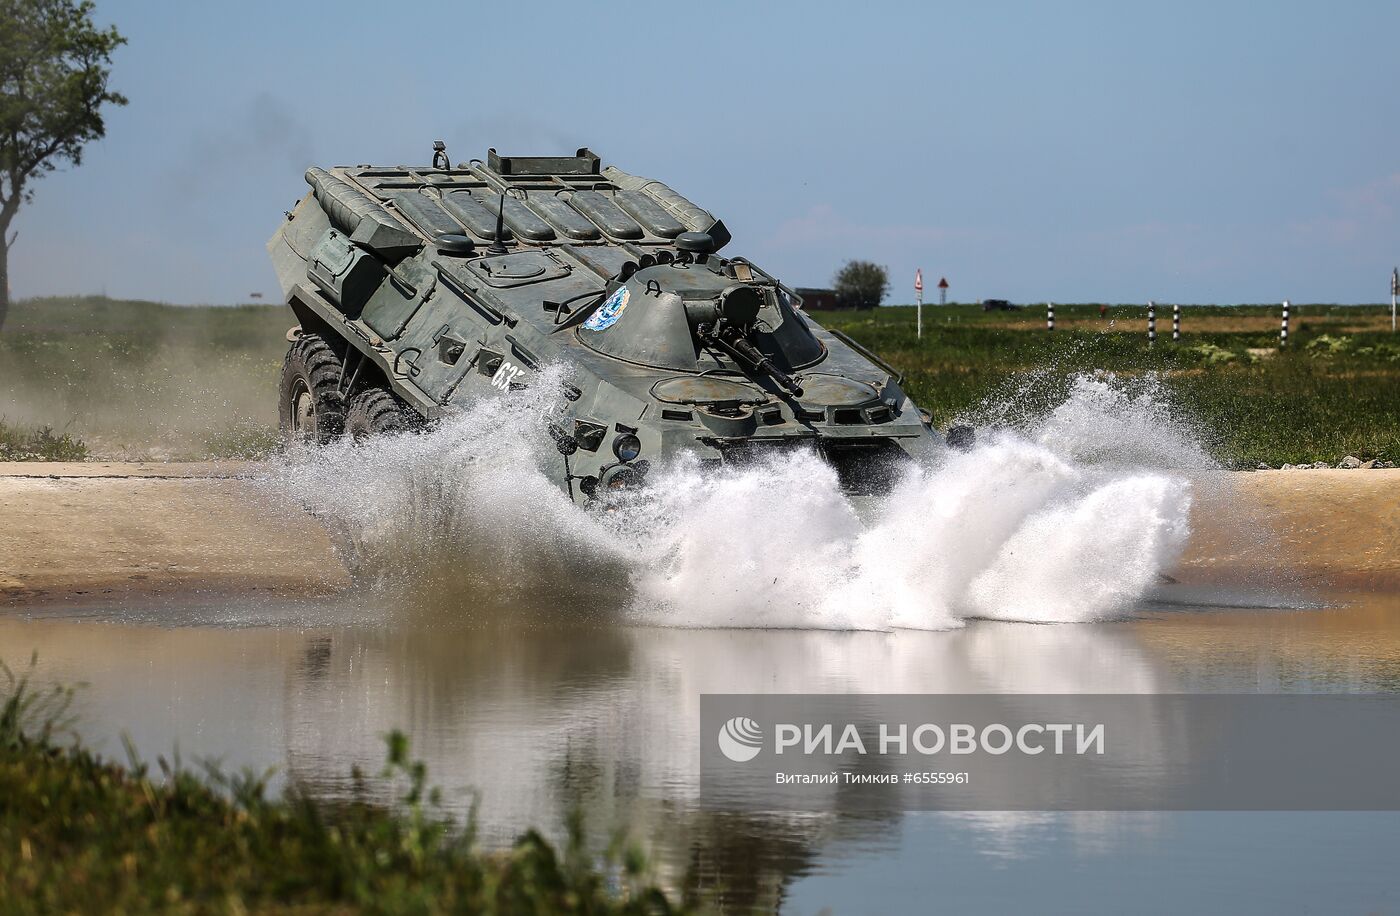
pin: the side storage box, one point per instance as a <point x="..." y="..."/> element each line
<point x="347" y="274"/>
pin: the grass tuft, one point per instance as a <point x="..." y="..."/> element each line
<point x="19" y="443"/>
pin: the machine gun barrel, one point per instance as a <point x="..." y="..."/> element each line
<point x="739" y="349"/>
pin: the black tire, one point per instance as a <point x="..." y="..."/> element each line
<point x="962" y="438"/>
<point x="310" y="407"/>
<point x="377" y="412"/>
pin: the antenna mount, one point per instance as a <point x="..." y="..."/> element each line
<point x="498" y="245"/>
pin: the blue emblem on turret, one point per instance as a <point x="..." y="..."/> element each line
<point x="608" y="312"/>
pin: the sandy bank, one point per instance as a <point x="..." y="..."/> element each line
<point x="1321" y="528"/>
<point x="113" y="532"/>
<point x="119" y="532"/>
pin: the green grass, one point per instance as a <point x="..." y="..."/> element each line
<point x="38" y="444"/>
<point x="78" y="833"/>
<point x="1335" y="390"/>
<point x="140" y="379"/>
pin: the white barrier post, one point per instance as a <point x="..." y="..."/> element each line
<point x="1151" y="323"/>
<point x="919" y="299"/>
<point x="1176" y="322"/>
<point x="1049" y="316"/>
<point x="1283" y="332"/>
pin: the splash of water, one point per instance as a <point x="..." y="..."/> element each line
<point x="1069" y="517"/>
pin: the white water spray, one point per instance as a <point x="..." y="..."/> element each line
<point x="1069" y="518"/>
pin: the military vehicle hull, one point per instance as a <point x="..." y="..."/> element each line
<point x="419" y="291"/>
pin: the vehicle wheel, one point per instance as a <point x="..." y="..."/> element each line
<point x="310" y="407"/>
<point x="962" y="438"/>
<point x="376" y="412"/>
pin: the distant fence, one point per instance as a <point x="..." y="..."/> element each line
<point x="1176" y="321"/>
<point x="1177" y="311"/>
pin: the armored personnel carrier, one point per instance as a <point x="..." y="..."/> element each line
<point x="422" y="289"/>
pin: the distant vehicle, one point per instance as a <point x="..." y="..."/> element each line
<point x="423" y="290"/>
<point x="999" y="305"/>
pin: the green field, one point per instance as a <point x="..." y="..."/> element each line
<point x="102" y="378"/>
<point x="139" y="379"/>
<point x="1335" y="390"/>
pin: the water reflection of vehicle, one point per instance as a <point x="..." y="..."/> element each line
<point x="606" y="720"/>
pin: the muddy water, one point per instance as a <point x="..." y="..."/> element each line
<point x="546" y="659"/>
<point x="538" y="720"/>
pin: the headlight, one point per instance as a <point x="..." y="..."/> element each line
<point x="627" y="447"/>
<point x="619" y="477"/>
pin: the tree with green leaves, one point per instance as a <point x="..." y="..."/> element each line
<point x="54" y="65"/>
<point x="861" y="284"/>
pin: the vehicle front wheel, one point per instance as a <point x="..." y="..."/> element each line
<point x="310" y="407"/>
<point x="377" y="412"/>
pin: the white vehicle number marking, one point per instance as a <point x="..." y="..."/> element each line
<point x="505" y="375"/>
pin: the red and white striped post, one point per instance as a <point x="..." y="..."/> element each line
<point x="1283" y="331"/>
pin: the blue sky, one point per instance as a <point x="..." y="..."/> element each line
<point x="1197" y="152"/>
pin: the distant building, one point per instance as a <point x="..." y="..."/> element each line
<point x="818" y="299"/>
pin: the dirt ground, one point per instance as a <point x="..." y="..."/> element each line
<point x="118" y="533"/>
<point x="105" y="532"/>
<point x="1323" y="528"/>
